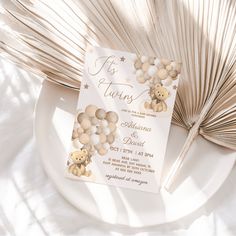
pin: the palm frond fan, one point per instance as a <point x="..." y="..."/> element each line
<point x="50" y="37"/>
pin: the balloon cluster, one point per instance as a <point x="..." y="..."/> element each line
<point x="95" y="130"/>
<point x="155" y="71"/>
<point x="157" y="74"/>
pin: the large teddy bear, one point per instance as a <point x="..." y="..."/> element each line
<point x="80" y="160"/>
<point x="158" y="94"/>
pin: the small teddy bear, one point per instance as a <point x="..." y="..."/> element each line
<point x="80" y="161"/>
<point x="158" y="94"/>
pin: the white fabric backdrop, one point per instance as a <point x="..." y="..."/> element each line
<point x="29" y="202"/>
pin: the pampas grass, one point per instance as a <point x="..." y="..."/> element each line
<point x="50" y="39"/>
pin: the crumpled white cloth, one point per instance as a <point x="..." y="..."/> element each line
<point x="29" y="202"/>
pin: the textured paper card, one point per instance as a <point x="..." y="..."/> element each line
<point x="123" y="119"/>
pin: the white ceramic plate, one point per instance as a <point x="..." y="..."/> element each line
<point x="205" y="169"/>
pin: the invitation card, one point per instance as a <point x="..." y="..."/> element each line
<point x="123" y="119"/>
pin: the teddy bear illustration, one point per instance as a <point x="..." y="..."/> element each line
<point x="80" y="159"/>
<point x="158" y="95"/>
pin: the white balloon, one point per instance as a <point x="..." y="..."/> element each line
<point x="152" y="70"/>
<point x="104" y="123"/>
<point x="106" y="131"/>
<point x="93" y="129"/>
<point x="76" y="143"/>
<point x="139" y="73"/>
<point x="156" y="62"/>
<point x="94" y="139"/>
<point x="106" y="146"/>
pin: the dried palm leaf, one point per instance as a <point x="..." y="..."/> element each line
<point x="50" y="38"/>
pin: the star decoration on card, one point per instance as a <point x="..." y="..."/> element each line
<point x="122" y="58"/>
<point x="175" y="87"/>
<point x="86" y="86"/>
